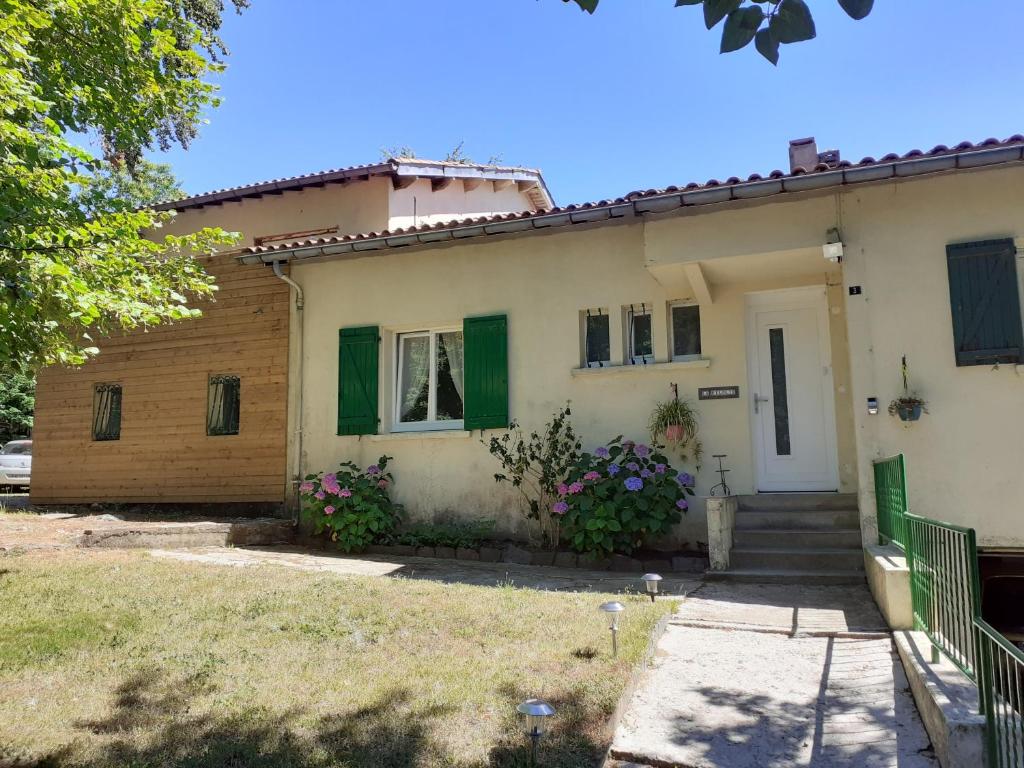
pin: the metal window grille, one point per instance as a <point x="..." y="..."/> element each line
<point x="106" y="412"/>
<point x="223" y="405"/>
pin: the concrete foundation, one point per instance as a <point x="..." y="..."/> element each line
<point x="889" y="580"/>
<point x="948" y="702"/>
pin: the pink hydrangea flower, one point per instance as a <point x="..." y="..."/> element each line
<point x="382" y="483"/>
<point x="575" y="487"/>
<point x="562" y="489"/>
<point x="345" y="493"/>
<point x="306" y="487"/>
<point x="320" y="495"/>
<point x="592" y="475"/>
<point x="328" y="510"/>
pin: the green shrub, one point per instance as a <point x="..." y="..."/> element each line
<point x="353" y="504"/>
<point x="617" y="497"/>
<point x="455" y="535"/>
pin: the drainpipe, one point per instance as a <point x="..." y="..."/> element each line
<point x="300" y="304"/>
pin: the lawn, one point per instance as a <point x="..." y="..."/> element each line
<point x="118" y="658"/>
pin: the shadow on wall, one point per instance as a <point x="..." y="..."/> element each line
<point x="149" y="723"/>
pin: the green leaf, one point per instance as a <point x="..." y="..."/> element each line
<point x="857" y="9"/>
<point x="716" y="10"/>
<point x="587" y="5"/>
<point x="688" y="2"/>
<point x="767" y="45"/>
<point x="740" y="27"/>
<point x="792" y="23"/>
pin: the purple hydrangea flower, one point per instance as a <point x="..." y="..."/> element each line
<point x="684" y="478"/>
<point x="660" y="468"/>
<point x="614" y="469"/>
<point x="645" y="473"/>
<point x="602" y="452"/>
<point x="682" y="504"/>
<point x="373" y="469"/>
<point x="320" y="495"/>
<point x="575" y="487"/>
<point x="560" y="507"/>
<point x="634" y="483"/>
<point x="628" y="445"/>
<point x="632" y="466"/>
<point x="330" y="483"/>
<point x="592" y="475"/>
<point x="641" y="450"/>
<point x="562" y="489"/>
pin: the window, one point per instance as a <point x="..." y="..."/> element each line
<point x="684" y="327"/>
<point x="430" y="380"/>
<point x="597" y="346"/>
<point x="223" y="402"/>
<point x="985" y="302"/>
<point x="106" y="412"/>
<point x="639" y="334"/>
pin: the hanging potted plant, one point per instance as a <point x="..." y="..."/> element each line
<point x="676" y="421"/>
<point x="909" y="406"/>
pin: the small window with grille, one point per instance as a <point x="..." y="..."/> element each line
<point x="597" y="351"/>
<point x="106" y="412"/>
<point x="223" y="405"/>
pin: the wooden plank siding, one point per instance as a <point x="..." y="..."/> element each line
<point x="164" y="454"/>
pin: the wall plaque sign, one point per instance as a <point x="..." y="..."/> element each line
<point x="718" y="393"/>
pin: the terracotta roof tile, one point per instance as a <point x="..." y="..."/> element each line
<point x="638" y="195"/>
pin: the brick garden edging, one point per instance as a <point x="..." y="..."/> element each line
<point x="512" y="553"/>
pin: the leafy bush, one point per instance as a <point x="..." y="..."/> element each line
<point x="536" y="464"/>
<point x="455" y="535"/>
<point x="353" y="504"/>
<point x="618" y="496"/>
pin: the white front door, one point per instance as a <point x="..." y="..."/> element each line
<point x="791" y="399"/>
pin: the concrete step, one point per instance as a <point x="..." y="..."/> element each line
<point x="184" y="535"/>
<point x="784" y="559"/>
<point x="797" y="501"/>
<point x="801" y="519"/>
<point x="795" y="538"/>
<point x="761" y="576"/>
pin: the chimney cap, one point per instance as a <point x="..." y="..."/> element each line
<point x="801" y="142"/>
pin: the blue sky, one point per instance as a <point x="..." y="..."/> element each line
<point x="633" y="97"/>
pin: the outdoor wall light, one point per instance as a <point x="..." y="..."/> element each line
<point x="613" y="609"/>
<point x="832" y="250"/>
<point x="651" y="584"/>
<point x="535" y="714"/>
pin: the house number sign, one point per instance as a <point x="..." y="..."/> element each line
<point x="718" y="393"/>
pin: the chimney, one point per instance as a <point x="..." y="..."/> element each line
<point x="803" y="153"/>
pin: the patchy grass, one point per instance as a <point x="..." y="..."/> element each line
<point x="117" y="658"/>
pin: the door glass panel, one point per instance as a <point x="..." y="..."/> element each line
<point x="780" y="396"/>
<point x="450" y="377"/>
<point x="414" y="379"/>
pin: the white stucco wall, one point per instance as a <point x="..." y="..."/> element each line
<point x="417" y="204"/>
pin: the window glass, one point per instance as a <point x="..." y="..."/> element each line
<point x="106" y="412"/>
<point x="414" y="377"/>
<point x="450" y="375"/>
<point x="598" y="339"/>
<point x="21" y="448"/>
<point x="431" y="378"/>
<point x="641" y="335"/>
<point x="223" y="405"/>
<point x="685" y="330"/>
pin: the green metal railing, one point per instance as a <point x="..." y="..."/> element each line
<point x="1001" y="689"/>
<point x="891" y="500"/>
<point x="945" y="587"/>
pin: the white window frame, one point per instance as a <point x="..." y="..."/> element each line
<point x="584" y="330"/>
<point x="671" y="332"/>
<point x="432" y="424"/>
<point x="629" y="312"/>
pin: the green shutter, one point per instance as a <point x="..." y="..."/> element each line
<point x="358" y="352"/>
<point x="486" y="343"/>
<point x="985" y="302"/>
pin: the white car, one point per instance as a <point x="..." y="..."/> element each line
<point x="16" y="463"/>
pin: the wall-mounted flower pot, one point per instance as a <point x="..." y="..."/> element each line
<point x="909" y="412"/>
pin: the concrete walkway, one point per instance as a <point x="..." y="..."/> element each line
<point x="752" y="676"/>
<point x="444" y="570"/>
